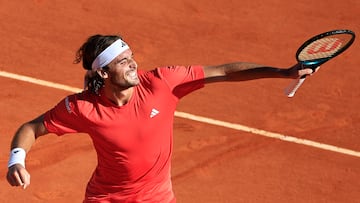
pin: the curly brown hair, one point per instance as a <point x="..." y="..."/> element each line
<point x="88" y="52"/>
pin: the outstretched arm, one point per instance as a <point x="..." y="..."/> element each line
<point x="23" y="140"/>
<point x="242" y="71"/>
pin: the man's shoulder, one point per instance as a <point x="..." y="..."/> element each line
<point x="159" y="72"/>
<point x="85" y="96"/>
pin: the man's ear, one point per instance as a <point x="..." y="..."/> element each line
<point x="102" y="73"/>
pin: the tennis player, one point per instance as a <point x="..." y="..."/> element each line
<point x="128" y="114"/>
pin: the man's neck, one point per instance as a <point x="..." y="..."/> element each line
<point x="119" y="97"/>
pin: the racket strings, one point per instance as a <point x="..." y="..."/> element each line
<point x="324" y="48"/>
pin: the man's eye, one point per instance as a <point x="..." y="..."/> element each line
<point x="122" y="62"/>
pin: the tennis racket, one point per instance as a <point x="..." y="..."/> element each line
<point x="318" y="50"/>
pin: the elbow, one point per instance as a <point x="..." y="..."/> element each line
<point x="33" y="129"/>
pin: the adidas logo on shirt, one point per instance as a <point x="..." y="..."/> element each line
<point x="153" y="113"/>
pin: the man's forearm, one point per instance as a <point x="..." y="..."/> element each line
<point x="249" y="71"/>
<point x="24" y="137"/>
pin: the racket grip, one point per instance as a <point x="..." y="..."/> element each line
<point x="294" y="86"/>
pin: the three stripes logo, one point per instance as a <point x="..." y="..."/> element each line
<point x="154" y="112"/>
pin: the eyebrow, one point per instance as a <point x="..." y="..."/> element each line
<point x="126" y="58"/>
<point x="122" y="59"/>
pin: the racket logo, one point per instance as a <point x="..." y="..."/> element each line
<point x="325" y="45"/>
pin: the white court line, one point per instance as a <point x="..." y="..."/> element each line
<point x="268" y="134"/>
<point x="39" y="82"/>
<point x="202" y="119"/>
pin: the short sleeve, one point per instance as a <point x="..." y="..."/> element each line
<point x="183" y="80"/>
<point x="63" y="117"/>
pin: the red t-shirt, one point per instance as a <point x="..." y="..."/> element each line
<point x="133" y="142"/>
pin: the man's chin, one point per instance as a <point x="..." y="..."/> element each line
<point x="134" y="82"/>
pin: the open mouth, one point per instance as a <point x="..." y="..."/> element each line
<point x="133" y="75"/>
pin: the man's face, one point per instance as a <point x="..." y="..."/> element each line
<point x="122" y="71"/>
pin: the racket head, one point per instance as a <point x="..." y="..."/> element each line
<point x="323" y="47"/>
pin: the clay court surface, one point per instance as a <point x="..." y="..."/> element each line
<point x="211" y="163"/>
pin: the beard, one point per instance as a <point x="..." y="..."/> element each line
<point x="129" y="79"/>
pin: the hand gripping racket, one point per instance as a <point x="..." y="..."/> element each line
<point x="318" y="50"/>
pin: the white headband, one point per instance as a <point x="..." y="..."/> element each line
<point x="111" y="52"/>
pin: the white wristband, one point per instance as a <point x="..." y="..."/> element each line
<point x="17" y="156"/>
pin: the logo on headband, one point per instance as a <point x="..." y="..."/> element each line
<point x="123" y="44"/>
